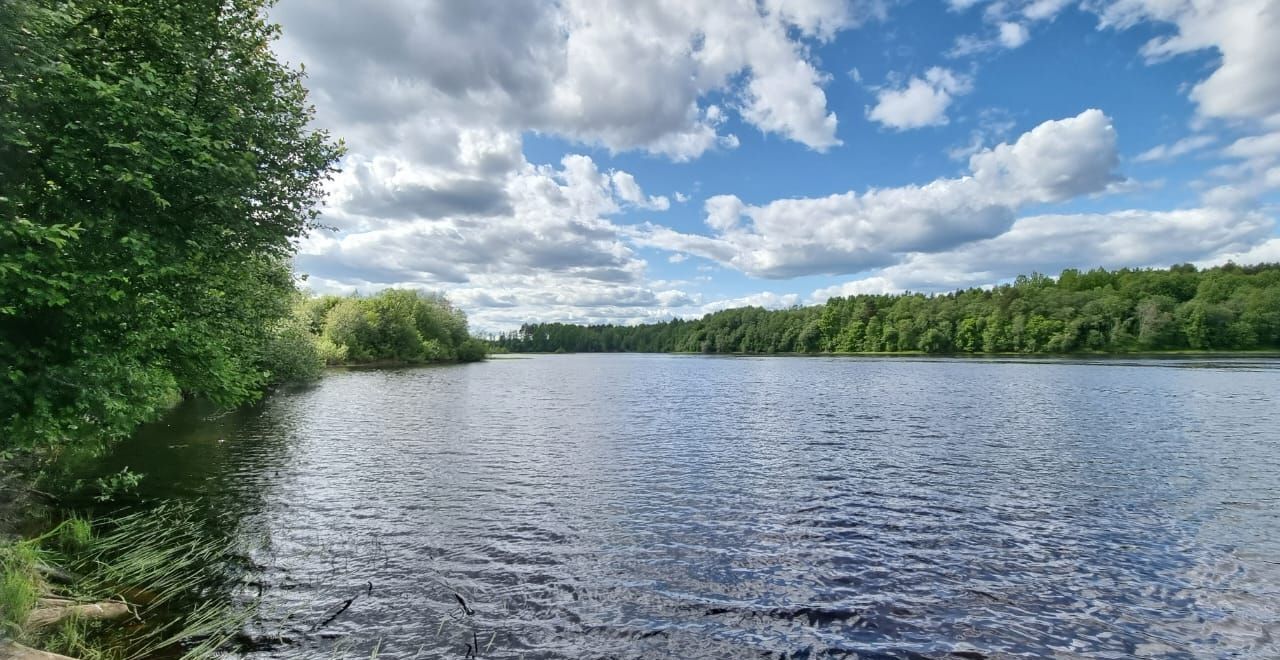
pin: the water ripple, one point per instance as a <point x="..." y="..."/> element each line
<point x="662" y="506"/>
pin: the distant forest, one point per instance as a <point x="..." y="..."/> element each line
<point x="1229" y="307"/>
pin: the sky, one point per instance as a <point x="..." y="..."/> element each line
<point x="628" y="161"/>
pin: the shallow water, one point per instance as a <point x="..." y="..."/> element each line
<point x="680" y="506"/>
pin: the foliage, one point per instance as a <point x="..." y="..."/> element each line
<point x="292" y="354"/>
<point x="1225" y="308"/>
<point x="155" y="165"/>
<point x="395" y="325"/>
<point x="114" y="485"/>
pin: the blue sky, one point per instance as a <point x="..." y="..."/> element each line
<point x="633" y="161"/>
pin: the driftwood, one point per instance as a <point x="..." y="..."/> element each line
<point x="16" y="651"/>
<point x="52" y="611"/>
<point x="342" y="608"/>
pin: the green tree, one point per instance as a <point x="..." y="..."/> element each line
<point x="156" y="162"/>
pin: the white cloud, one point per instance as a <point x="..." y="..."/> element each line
<point x="1244" y="85"/>
<point x="1255" y="173"/>
<point x="1013" y="35"/>
<point x="822" y="19"/>
<point x="1051" y="243"/>
<point x="625" y="186"/>
<point x="766" y="299"/>
<point x="1040" y="10"/>
<point x="1265" y="146"/>
<point x="867" y="286"/>
<point x="1267" y="251"/>
<point x="1009" y="24"/>
<point x="622" y="74"/>
<point x="549" y="244"/>
<point x="1180" y="148"/>
<point x="433" y="97"/>
<point x="851" y="232"/>
<point x="921" y="102"/>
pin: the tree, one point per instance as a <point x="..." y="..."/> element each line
<point x="156" y="162"/>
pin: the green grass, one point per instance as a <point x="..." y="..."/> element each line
<point x="76" y="637"/>
<point x="74" y="534"/>
<point x="20" y="585"/>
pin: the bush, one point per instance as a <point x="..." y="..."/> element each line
<point x="472" y="350"/>
<point x="292" y="354"/>
<point x="331" y="353"/>
<point x="399" y="325"/>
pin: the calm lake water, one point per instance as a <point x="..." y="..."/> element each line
<point x="677" y="506"/>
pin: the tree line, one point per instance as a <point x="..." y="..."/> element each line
<point x="1228" y="307"/>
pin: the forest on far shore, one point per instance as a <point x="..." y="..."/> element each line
<point x="1228" y="307"/>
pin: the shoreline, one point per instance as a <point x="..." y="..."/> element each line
<point x="1266" y="353"/>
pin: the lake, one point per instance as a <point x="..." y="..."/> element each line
<point x="685" y="506"/>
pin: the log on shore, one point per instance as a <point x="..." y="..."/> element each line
<point x="59" y="610"/>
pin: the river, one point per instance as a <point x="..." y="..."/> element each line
<point x="686" y="506"/>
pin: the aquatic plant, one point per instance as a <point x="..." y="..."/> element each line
<point x="173" y="577"/>
<point x="173" y="570"/>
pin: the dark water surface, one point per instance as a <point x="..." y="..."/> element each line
<point x="677" y="506"/>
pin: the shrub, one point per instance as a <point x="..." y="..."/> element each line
<point x="292" y="354"/>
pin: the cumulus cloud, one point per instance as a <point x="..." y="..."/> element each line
<point x="504" y="303"/>
<point x="624" y="75"/>
<point x="433" y="98"/>
<point x="1255" y="172"/>
<point x="551" y="243"/>
<point x="994" y="124"/>
<point x="1008" y="23"/>
<point x="851" y="232"/>
<point x="1013" y="35"/>
<point x="1051" y="243"/>
<point x="921" y="102"/>
<point x="1244" y="85"/>
<point x="625" y="186"/>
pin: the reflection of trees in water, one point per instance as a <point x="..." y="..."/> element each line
<point x="225" y="459"/>
<point x="206" y="477"/>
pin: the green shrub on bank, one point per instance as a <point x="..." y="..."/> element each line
<point x="394" y="325"/>
<point x="292" y="354"/>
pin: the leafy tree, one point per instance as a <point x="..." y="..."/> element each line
<point x="156" y="162"/>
